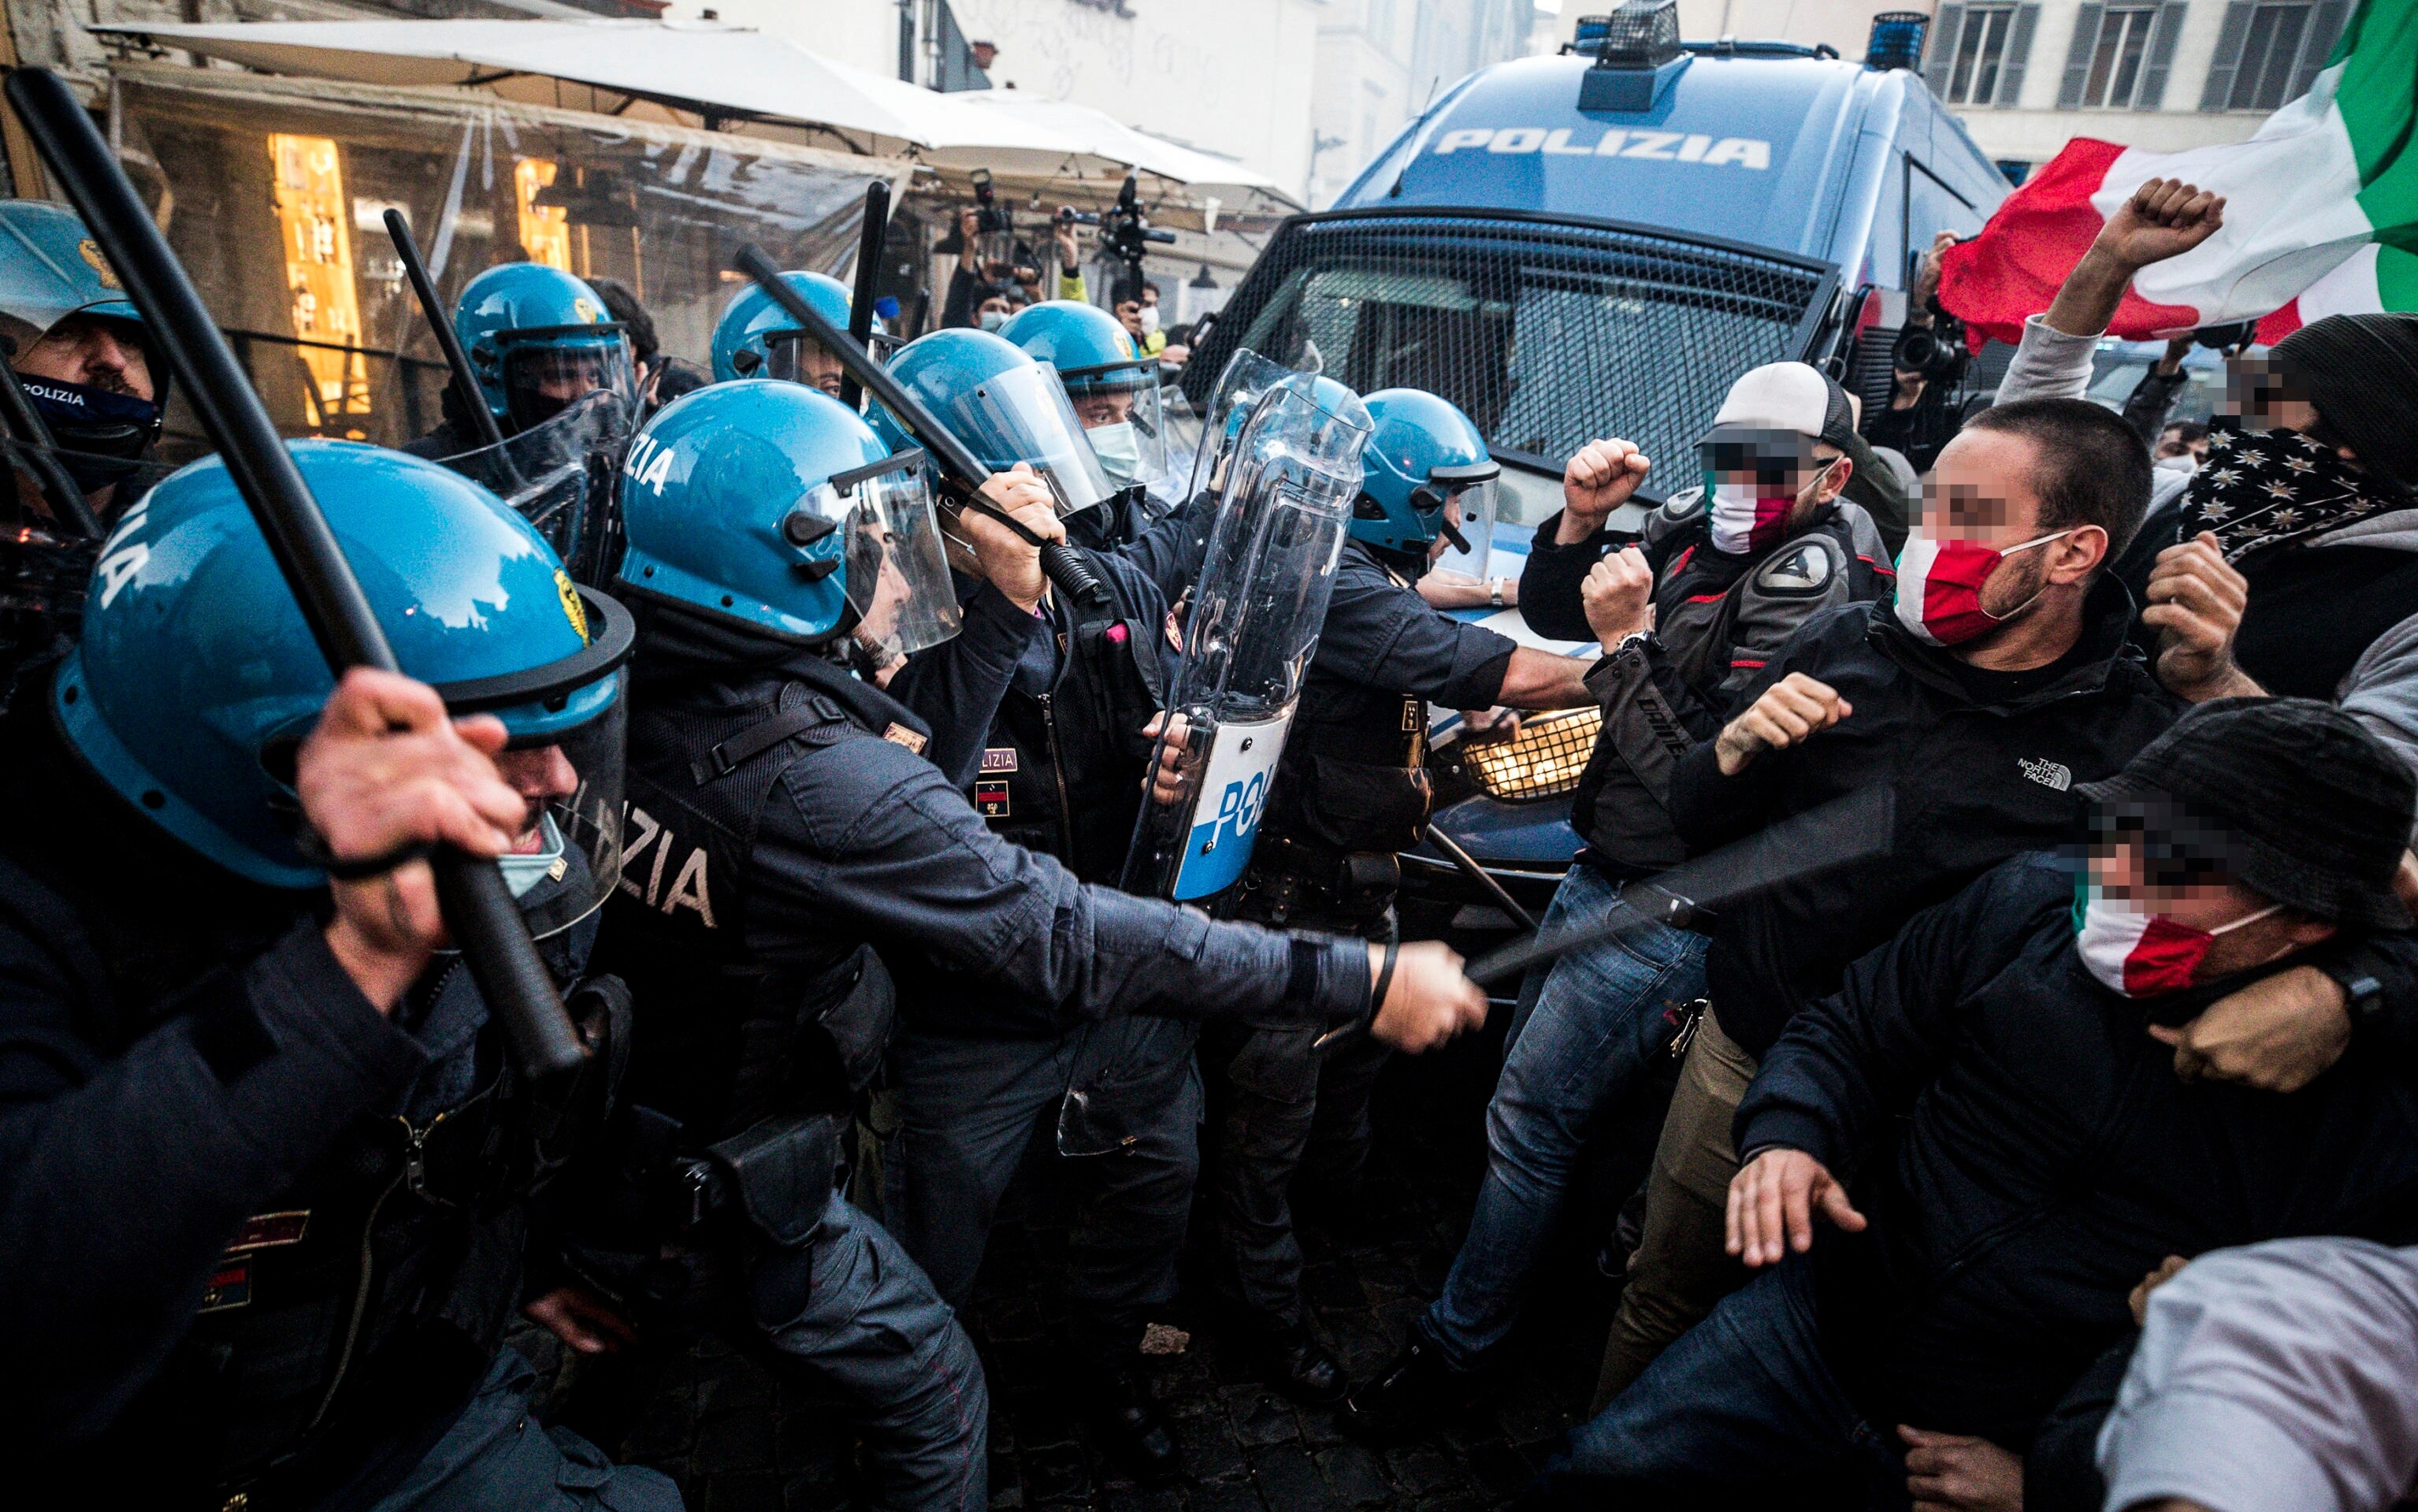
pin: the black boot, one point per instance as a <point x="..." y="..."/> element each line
<point x="1414" y="1392"/>
<point x="1298" y="1365"/>
<point x="1130" y="1427"/>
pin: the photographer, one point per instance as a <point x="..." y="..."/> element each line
<point x="979" y="290"/>
<point x="1921" y="416"/>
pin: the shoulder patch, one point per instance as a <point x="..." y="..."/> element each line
<point x="1680" y="511"/>
<point x="898" y="734"/>
<point x="1801" y="568"/>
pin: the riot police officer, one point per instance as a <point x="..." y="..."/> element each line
<point x="265" y="1190"/>
<point x="1114" y="391"/>
<point x="1061" y="772"/>
<point x="783" y="828"/>
<point x="539" y="339"/>
<point x="1351" y="790"/>
<point x="755" y="337"/>
<point x="80" y="349"/>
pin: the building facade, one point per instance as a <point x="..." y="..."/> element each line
<point x="2026" y="76"/>
<point x="1380" y="62"/>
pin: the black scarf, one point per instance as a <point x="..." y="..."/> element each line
<point x="2266" y="488"/>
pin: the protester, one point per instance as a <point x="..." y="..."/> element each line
<point x="2283" y="1375"/>
<point x="1719" y="586"/>
<point x="2046" y="1155"/>
<point x="1997" y="678"/>
<point x="2181" y="446"/>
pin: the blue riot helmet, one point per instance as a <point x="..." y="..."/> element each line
<point x="1004" y="405"/>
<point x="1425" y="473"/>
<point x="755" y="337"/>
<point x="772" y="506"/>
<point x="195" y="677"/>
<point x="66" y="317"/>
<point x="1114" y="390"/>
<point x="540" y="339"/>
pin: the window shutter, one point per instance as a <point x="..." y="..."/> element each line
<point x="2151" y="95"/>
<point x="2227" y="61"/>
<point x="2324" y="27"/>
<point x="1941" y="62"/>
<point x="2019" y="55"/>
<point x="2077" y="57"/>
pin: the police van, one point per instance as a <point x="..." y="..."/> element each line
<point x="1597" y="244"/>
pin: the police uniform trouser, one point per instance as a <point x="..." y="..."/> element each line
<point x="497" y="1454"/>
<point x="1681" y="1267"/>
<point x="1290" y="1107"/>
<point x="1121" y="1103"/>
<point x="847" y="1317"/>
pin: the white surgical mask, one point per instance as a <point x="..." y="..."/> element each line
<point x="524" y="872"/>
<point x="992" y="320"/>
<point x="1119" y="454"/>
<point x="2186" y="463"/>
<point x="1149" y="318"/>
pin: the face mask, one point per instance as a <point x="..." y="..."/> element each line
<point x="1149" y="318"/>
<point x="2143" y="954"/>
<point x="992" y="320"/>
<point x="1940" y="587"/>
<point x="1117" y="450"/>
<point x="101" y="434"/>
<point x="2186" y="463"/>
<point x="524" y="872"/>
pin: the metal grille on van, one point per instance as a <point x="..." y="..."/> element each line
<point x="1549" y="334"/>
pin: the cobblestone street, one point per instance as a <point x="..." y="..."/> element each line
<point x="740" y="1444"/>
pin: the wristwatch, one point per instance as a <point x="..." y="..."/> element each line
<point x="2353" y="970"/>
<point x="1638" y="638"/>
<point x="1495" y="586"/>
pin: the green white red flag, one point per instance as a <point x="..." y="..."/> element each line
<point x="2320" y="217"/>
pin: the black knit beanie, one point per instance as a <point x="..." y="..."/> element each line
<point x="2361" y="372"/>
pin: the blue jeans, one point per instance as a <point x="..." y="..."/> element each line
<point x="1742" y="1410"/>
<point x="1580" y="1040"/>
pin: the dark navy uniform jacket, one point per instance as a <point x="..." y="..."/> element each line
<point x="861" y="840"/>
<point x="1351" y="776"/>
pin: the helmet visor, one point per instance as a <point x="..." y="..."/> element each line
<point x="547" y="372"/>
<point x="1469" y="511"/>
<point x="563" y="476"/>
<point x="566" y="726"/>
<point x="1022" y="415"/>
<point x="794" y="357"/>
<point x="898" y="578"/>
<point x="1126" y="420"/>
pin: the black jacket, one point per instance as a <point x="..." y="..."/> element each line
<point x="2047" y="1157"/>
<point x="202" y="1138"/>
<point x="860" y="840"/>
<point x="1982" y="768"/>
<point x="1717" y="619"/>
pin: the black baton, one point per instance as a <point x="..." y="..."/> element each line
<point x="448" y="341"/>
<point x="868" y="274"/>
<point x="1058" y="560"/>
<point x="479" y="908"/>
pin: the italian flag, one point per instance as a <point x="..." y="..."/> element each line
<point x="2320" y="218"/>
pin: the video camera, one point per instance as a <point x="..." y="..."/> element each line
<point x="1126" y="230"/>
<point x="991" y="217"/>
<point x="1937" y="351"/>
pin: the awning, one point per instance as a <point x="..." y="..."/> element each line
<point x="706" y="66"/>
<point x="1103" y="136"/>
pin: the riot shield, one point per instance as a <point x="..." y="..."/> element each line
<point x="563" y="476"/>
<point x="1246" y="376"/>
<point x="1284" y="499"/>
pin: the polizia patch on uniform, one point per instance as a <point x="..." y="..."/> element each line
<point x="999" y="758"/>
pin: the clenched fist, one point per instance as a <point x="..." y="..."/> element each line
<point x="1617" y="596"/>
<point x="1010" y="563"/>
<point x="1793" y="709"/>
<point x="1428" y="1002"/>
<point x="1598" y="480"/>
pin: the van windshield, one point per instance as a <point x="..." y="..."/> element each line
<point x="1548" y="335"/>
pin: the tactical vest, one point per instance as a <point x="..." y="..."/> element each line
<point x="734" y="1023"/>
<point x="370" y="1294"/>
<point x="1061" y="772"/>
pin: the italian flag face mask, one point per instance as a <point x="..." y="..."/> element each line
<point x="2142" y="954"/>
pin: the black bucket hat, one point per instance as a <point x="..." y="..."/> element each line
<point x="2310" y="809"/>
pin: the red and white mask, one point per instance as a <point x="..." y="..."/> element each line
<point x="1940" y="587"/>
<point x="2144" y="955"/>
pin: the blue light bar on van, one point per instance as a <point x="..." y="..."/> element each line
<point x="1637" y="58"/>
